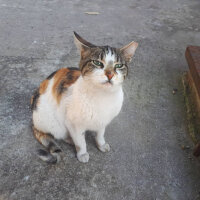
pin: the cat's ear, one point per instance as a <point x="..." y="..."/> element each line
<point x="82" y="44"/>
<point x="129" y="50"/>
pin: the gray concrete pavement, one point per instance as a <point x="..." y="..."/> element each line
<point x="146" y="161"/>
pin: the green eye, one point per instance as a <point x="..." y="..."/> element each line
<point x="118" y="65"/>
<point x="96" y="62"/>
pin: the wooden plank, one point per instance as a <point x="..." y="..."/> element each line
<point x="192" y="55"/>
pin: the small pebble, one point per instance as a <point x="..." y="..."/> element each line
<point x="174" y="91"/>
<point x="185" y="147"/>
<point x="26" y="178"/>
<point x="182" y="147"/>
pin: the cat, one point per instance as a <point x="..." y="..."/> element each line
<point x="71" y="101"/>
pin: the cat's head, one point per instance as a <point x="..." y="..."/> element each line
<point x="104" y="66"/>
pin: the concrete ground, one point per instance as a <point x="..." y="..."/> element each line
<point x="147" y="161"/>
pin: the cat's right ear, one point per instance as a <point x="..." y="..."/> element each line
<point x="83" y="45"/>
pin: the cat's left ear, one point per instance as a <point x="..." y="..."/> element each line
<point x="129" y="50"/>
<point x="83" y="45"/>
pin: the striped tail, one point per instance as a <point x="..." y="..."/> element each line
<point x="52" y="152"/>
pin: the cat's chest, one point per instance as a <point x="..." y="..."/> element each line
<point x="93" y="112"/>
<point x="105" y="107"/>
<point x="101" y="111"/>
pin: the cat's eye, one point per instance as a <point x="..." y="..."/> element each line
<point x="97" y="63"/>
<point x="118" y="65"/>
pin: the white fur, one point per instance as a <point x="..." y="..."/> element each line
<point x="92" y="108"/>
<point x="109" y="57"/>
<point x="49" y="117"/>
<point x="84" y="107"/>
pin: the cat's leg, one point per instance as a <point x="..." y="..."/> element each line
<point x="100" y="140"/>
<point x="78" y="138"/>
<point x="51" y="154"/>
<point x="68" y="139"/>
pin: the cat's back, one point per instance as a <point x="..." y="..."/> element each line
<point x="55" y="85"/>
<point x="46" y="102"/>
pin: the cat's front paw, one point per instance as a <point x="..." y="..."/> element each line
<point x="104" y="148"/>
<point x="84" y="158"/>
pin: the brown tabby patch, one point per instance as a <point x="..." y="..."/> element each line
<point x="46" y="140"/>
<point x="40" y="136"/>
<point x="63" y="79"/>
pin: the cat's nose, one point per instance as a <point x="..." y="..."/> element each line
<point x="109" y="74"/>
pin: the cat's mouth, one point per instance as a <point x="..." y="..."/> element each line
<point x="108" y="82"/>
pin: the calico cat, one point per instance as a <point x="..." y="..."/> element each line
<point x="73" y="100"/>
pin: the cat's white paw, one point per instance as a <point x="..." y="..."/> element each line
<point x="104" y="148"/>
<point x="83" y="157"/>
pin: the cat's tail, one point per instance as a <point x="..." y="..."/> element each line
<point x="52" y="152"/>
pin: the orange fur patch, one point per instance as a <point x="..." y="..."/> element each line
<point x="37" y="93"/>
<point x="62" y="80"/>
<point x="43" y="86"/>
<point x="31" y="100"/>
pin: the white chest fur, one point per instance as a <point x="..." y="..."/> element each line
<point x="91" y="108"/>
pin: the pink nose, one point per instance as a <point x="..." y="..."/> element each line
<point x="109" y="74"/>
